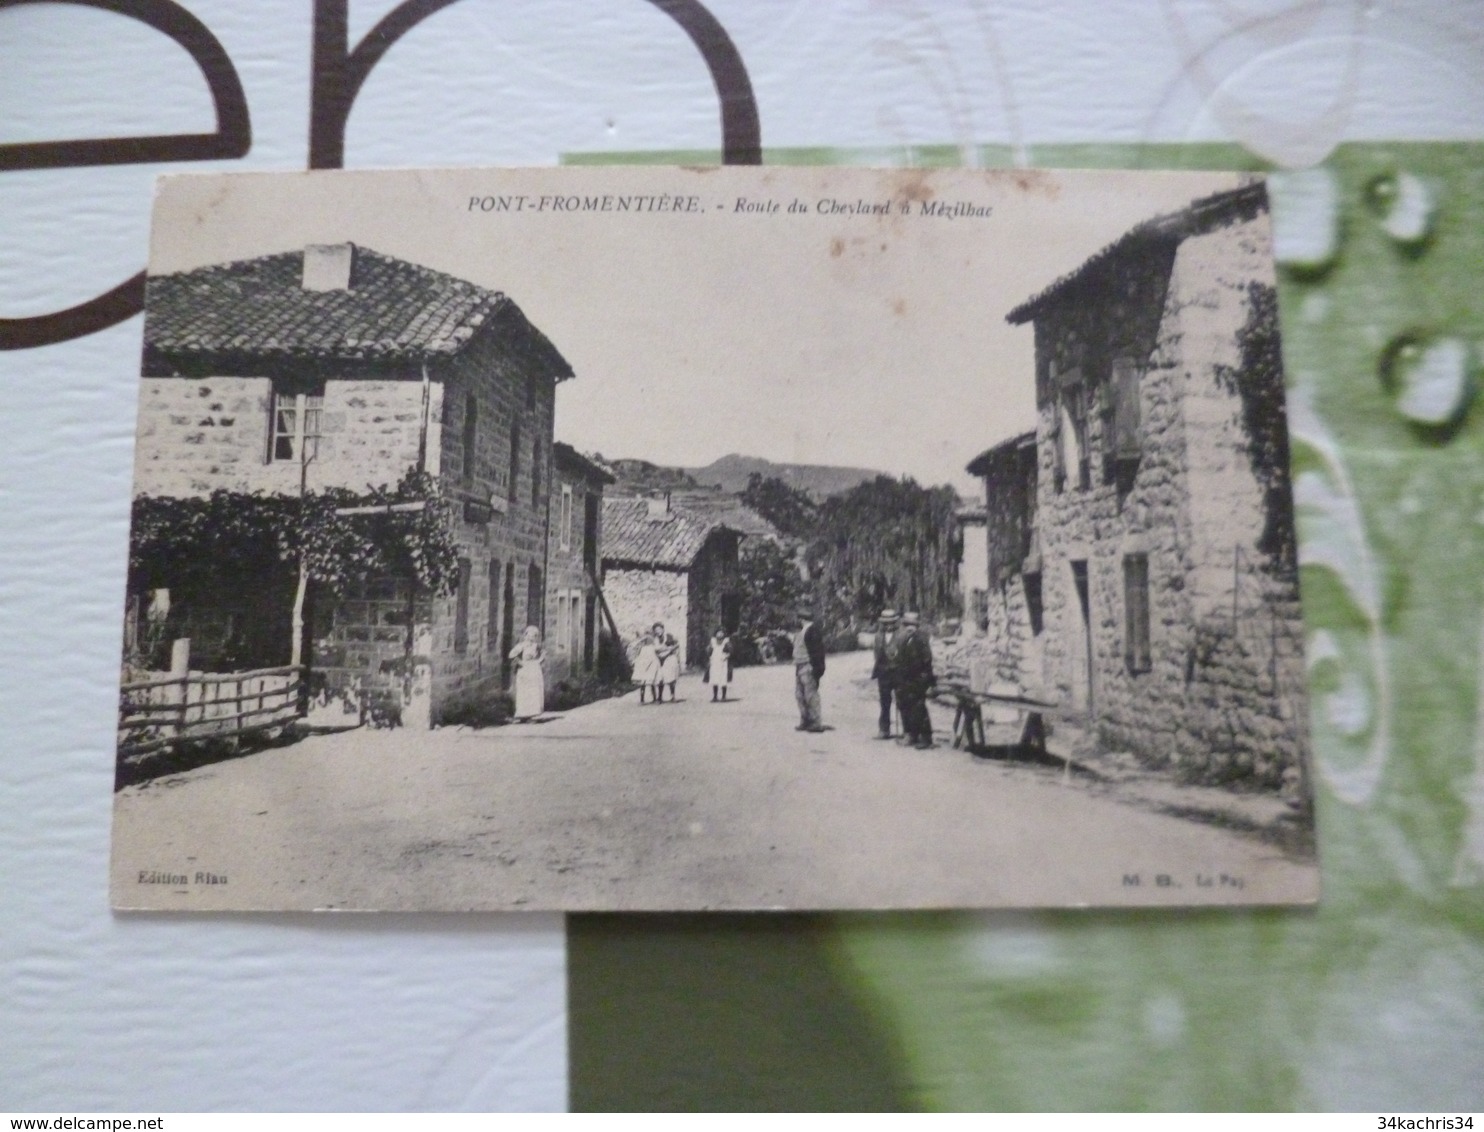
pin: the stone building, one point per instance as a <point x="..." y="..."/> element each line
<point x="1011" y="573"/>
<point x="336" y="366"/>
<point x="574" y="617"/>
<point x="661" y="563"/>
<point x="1163" y="546"/>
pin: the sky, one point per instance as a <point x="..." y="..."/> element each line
<point x="816" y="335"/>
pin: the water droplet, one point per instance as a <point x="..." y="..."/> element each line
<point x="1349" y="708"/>
<point x="1406" y="205"/>
<point x="1315" y="307"/>
<point x="1306" y="218"/>
<point x="1164" y="1019"/>
<point x="1430" y="378"/>
<point x="1014" y="944"/>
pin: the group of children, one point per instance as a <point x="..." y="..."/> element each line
<point x="657" y="665"/>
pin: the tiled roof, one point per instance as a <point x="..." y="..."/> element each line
<point x="982" y="463"/>
<point x="728" y="510"/>
<point x="631" y="536"/>
<point x="392" y="311"/>
<point x="1198" y="217"/>
<point x="569" y="459"/>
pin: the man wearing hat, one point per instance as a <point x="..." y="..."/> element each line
<point x="808" y="668"/>
<point x="884" y="670"/>
<point x="914" y="678"/>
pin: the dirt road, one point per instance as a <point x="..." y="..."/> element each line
<point x="683" y="805"/>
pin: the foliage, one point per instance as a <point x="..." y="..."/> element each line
<point x="771" y="592"/>
<point x="489" y="710"/>
<point x="883" y="542"/>
<point x="614" y="664"/>
<point x="787" y="508"/>
<point x="1258" y="381"/>
<point x="172" y="539"/>
<point x="888" y="542"/>
<point x="584" y="688"/>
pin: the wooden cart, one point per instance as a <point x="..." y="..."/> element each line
<point x="985" y="721"/>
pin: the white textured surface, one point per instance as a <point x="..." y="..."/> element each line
<point x="149" y="1013"/>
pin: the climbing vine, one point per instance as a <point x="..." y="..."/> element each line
<point x="1258" y="381"/>
<point x="345" y="537"/>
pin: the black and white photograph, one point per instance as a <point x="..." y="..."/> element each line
<point x="654" y="538"/>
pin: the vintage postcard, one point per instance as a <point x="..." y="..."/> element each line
<point x="697" y="538"/>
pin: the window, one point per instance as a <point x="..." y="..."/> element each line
<point x="1071" y="450"/>
<point x="1136" y="613"/>
<point x="461" y="609"/>
<point x="535" y="598"/>
<point x="1069" y="428"/>
<point x="492" y="613"/>
<point x="564" y="523"/>
<point x="296" y="426"/>
<point x="574" y="639"/>
<point x="589" y="616"/>
<point x="563" y="622"/>
<point x="514" y="457"/>
<point x="536" y="471"/>
<point x="471" y="437"/>
<point x="1121" y="431"/>
<point x="1033" y="607"/>
<point x="979" y="608"/>
<point x="1125" y="409"/>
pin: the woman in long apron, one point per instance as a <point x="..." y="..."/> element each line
<point x="530" y="681"/>
<point x="719" y="665"/>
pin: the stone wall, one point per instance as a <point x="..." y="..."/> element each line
<point x="362" y="645"/>
<point x="512" y="533"/>
<point x="195" y="435"/>
<point x="640" y="596"/>
<point x="1011" y="652"/>
<point x="1219" y="698"/>
<point x="568" y="577"/>
<point x="713" y="576"/>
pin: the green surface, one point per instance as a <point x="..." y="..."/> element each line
<point x="1375" y="1001"/>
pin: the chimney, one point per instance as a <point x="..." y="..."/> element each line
<point x="327" y="266"/>
<point x="659" y="508"/>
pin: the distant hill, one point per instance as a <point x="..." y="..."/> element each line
<point x="642" y="478"/>
<point x="638" y="477"/>
<point x="730" y="473"/>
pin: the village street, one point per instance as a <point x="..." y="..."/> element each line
<point x="684" y="805"/>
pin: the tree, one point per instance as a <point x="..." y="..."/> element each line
<point x="771" y="591"/>
<point x="786" y="507"/>
<point x="890" y="542"/>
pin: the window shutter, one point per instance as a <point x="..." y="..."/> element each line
<point x="1136" y="613"/>
<point x="1125" y="381"/>
<point x="461" y="609"/>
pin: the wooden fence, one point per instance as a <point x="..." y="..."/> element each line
<point x="172" y="708"/>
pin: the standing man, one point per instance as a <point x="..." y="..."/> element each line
<point x="884" y="670"/>
<point x="808" y="668"/>
<point x="914" y="678"/>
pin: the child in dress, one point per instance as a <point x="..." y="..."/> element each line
<point x="647" y="668"/>
<point x="719" y="665"/>
<point x="668" y="651"/>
